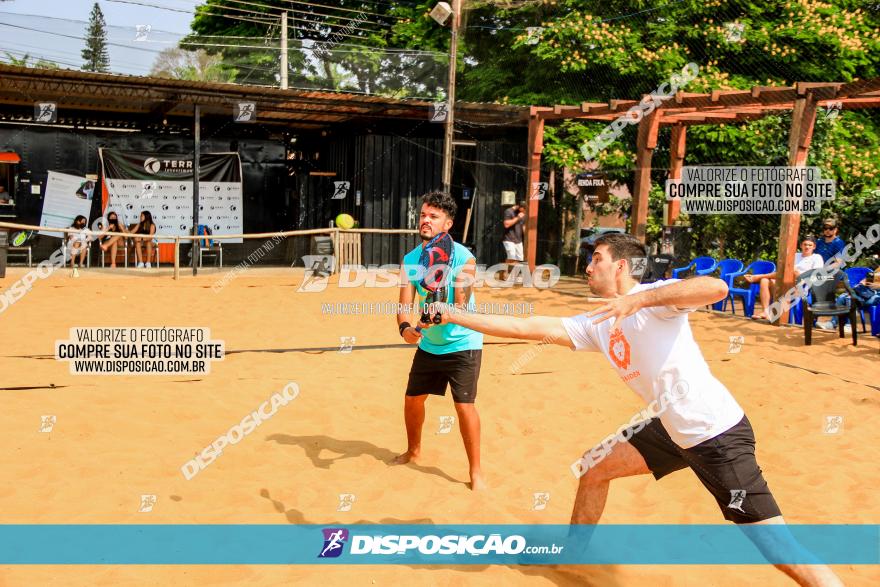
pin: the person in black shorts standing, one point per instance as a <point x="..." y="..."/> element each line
<point x="447" y="355"/>
<point x="643" y="331"/>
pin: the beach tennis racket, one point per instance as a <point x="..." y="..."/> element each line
<point x="20" y="237"/>
<point x="436" y="258"/>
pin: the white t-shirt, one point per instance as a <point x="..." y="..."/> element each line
<point x="802" y="263"/>
<point x="658" y="358"/>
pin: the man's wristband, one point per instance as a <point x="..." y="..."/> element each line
<point x="404" y="326"/>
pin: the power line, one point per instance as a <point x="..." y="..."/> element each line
<point x="609" y="19"/>
<point x="273" y="21"/>
<point x="322" y="6"/>
<point x="15" y="26"/>
<point x="261" y="21"/>
<point x="345" y="25"/>
<point x="305" y="13"/>
<point x="116" y="28"/>
<point x="389" y="50"/>
<point x="355" y="10"/>
<point x="48" y="56"/>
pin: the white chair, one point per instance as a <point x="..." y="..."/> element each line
<point x="154" y="244"/>
<point x="207" y="245"/>
<point x="216" y="250"/>
<point x="22" y="251"/>
<point x="65" y="249"/>
<point x="123" y="247"/>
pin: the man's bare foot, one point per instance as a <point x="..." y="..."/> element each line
<point x="405" y="458"/>
<point x="477" y="482"/>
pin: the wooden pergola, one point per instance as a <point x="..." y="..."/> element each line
<point x="686" y="109"/>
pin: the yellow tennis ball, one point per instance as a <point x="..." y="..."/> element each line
<point x="345" y="221"/>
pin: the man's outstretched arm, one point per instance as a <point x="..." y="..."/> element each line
<point x="690" y="293"/>
<point x="546" y="329"/>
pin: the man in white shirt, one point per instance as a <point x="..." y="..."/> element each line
<point x="804" y="261"/>
<point x="643" y="331"/>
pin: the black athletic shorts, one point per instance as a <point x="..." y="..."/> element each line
<point x="431" y="373"/>
<point x="725" y="464"/>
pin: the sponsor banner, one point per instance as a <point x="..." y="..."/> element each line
<point x="66" y="197"/>
<point x="162" y="184"/>
<point x="437" y="544"/>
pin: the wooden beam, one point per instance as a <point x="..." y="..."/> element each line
<point x="621" y="105"/>
<point x="560" y="109"/>
<point x="676" y="162"/>
<point x="647" y="140"/>
<point x="536" y="146"/>
<point x="720" y="116"/>
<point x="587" y="106"/>
<point x="699" y="119"/>
<point x="803" y="120"/>
<point x="860" y="87"/>
<point x="856" y="103"/>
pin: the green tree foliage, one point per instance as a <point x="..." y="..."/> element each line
<point x="544" y="52"/>
<point x="332" y="45"/>
<point x="95" y="54"/>
<point x="27" y="61"/>
<point x="177" y="63"/>
<point x="737" y="45"/>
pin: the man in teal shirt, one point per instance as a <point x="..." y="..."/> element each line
<point x="448" y="354"/>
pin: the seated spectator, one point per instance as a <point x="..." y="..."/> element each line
<point x="804" y="261"/>
<point x="145" y="226"/>
<point x="78" y="243"/>
<point x="830" y="244"/>
<point x="4" y="195"/>
<point x="111" y="242"/>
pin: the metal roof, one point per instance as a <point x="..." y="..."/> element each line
<point x="87" y="92"/>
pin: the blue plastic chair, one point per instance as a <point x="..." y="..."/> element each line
<point x="205" y="231"/>
<point x="725" y="268"/>
<point x="856" y="275"/>
<point x="701" y="265"/>
<point x="750" y="294"/>
<point x="875" y="320"/>
<point x="796" y="313"/>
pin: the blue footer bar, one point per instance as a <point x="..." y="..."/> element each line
<point x="449" y="544"/>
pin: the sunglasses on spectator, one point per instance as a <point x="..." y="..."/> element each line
<point x="828" y="228"/>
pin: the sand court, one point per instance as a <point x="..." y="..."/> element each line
<point x="117" y="438"/>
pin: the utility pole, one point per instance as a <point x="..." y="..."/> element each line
<point x="197" y="155"/>
<point x="284" y="50"/>
<point x="450" y="96"/>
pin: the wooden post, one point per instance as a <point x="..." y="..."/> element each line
<point x="337" y="250"/>
<point x="676" y="162"/>
<point x="197" y="145"/>
<point x="649" y="125"/>
<point x="177" y="257"/>
<point x="536" y="146"/>
<point x="449" y="130"/>
<point x="803" y="119"/>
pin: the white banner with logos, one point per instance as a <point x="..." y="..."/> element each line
<point x="65" y="198"/>
<point x="171" y="202"/>
<point x="162" y="184"/>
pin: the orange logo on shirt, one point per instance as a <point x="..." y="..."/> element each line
<point x="618" y="348"/>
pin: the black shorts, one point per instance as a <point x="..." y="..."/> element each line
<point x="725" y="464"/>
<point x="431" y="373"/>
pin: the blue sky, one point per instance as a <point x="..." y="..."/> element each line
<point x="37" y="27"/>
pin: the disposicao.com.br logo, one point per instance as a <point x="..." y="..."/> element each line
<point x="431" y="544"/>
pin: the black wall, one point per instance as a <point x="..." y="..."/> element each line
<point x="390" y="171"/>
